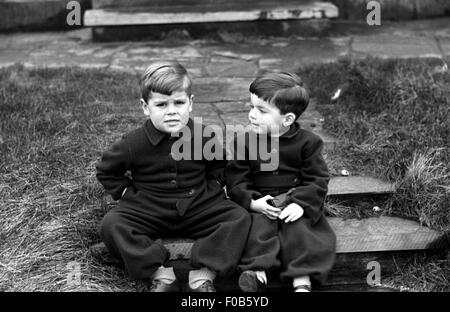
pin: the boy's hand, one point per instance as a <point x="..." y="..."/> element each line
<point x="291" y="213"/>
<point x="261" y="206"/>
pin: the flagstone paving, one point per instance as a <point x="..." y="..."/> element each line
<point x="223" y="70"/>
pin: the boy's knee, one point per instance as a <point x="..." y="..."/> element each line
<point x="108" y="223"/>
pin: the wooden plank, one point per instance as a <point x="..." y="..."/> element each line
<point x="198" y="5"/>
<point x="179" y="248"/>
<point x="357" y="185"/>
<point x="353" y="236"/>
<point x="183" y="15"/>
<point x="102" y="4"/>
<point x="384" y="234"/>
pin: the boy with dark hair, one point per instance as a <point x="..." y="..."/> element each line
<point x="289" y="231"/>
<point x="168" y="198"/>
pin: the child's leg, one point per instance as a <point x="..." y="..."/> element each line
<point x="220" y="230"/>
<point x="306" y="249"/>
<point x="263" y="246"/>
<point x="126" y="234"/>
<point x="261" y="254"/>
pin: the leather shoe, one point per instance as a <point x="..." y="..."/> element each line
<point x="160" y="286"/>
<point x="207" y="286"/>
<point x="249" y="282"/>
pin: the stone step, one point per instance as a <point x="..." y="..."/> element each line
<point x="208" y="13"/>
<point x="348" y="9"/>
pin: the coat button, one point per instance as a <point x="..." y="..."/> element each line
<point x="295" y="180"/>
<point x="173" y="182"/>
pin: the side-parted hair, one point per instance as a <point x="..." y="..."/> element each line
<point x="282" y="89"/>
<point x="165" y="77"/>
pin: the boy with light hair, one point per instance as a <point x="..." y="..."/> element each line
<point x="165" y="197"/>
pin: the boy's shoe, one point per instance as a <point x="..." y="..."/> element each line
<point x="207" y="286"/>
<point x="160" y="286"/>
<point x="249" y="282"/>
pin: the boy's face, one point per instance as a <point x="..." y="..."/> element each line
<point x="168" y="113"/>
<point x="267" y="118"/>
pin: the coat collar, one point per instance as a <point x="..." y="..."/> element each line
<point x="155" y="136"/>
<point x="292" y="132"/>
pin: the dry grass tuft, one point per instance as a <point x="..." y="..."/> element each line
<point x="422" y="274"/>
<point x="422" y="192"/>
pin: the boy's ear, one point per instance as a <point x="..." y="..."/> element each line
<point x="289" y="119"/>
<point x="145" y="107"/>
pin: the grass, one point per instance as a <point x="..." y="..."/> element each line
<point x="56" y="122"/>
<point x="422" y="274"/>
<point x="392" y="119"/>
<point x="54" y="127"/>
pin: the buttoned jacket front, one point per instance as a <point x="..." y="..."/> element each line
<point x="147" y="155"/>
<point x="301" y="171"/>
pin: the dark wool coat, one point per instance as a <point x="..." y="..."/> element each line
<point x="146" y="154"/>
<point x="165" y="197"/>
<point x="303" y="247"/>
